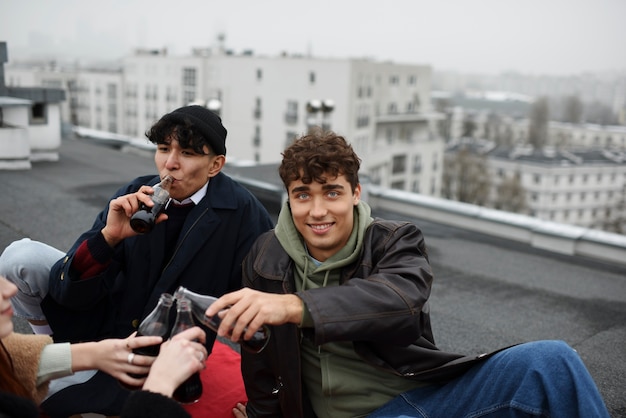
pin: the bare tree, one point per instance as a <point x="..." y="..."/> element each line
<point x="466" y="178"/>
<point x="511" y="195"/>
<point x="572" y="109"/>
<point x="538" y="122"/>
<point x="493" y="125"/>
<point x="469" y="126"/>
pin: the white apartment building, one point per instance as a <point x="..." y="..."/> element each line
<point x="382" y="108"/>
<point x="30" y="122"/>
<point x="560" y="134"/>
<point x="580" y="187"/>
<point x="46" y="75"/>
<point x="584" y="135"/>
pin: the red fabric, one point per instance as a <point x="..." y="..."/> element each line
<point x="85" y="263"/>
<point x="222" y="384"/>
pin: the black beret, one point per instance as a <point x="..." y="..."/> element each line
<point x="207" y="123"/>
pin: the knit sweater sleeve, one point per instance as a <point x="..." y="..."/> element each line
<point x="25" y="351"/>
<point x="55" y="362"/>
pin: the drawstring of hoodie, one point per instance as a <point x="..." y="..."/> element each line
<point x="304" y="277"/>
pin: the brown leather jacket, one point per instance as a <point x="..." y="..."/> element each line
<point x="381" y="305"/>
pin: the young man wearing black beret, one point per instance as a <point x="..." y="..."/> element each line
<point x="112" y="276"/>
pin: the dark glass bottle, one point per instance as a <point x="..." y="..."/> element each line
<point x="144" y="219"/>
<point x="191" y="389"/>
<point x="199" y="305"/>
<point x="155" y="324"/>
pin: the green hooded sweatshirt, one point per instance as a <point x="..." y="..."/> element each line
<point x="336" y="379"/>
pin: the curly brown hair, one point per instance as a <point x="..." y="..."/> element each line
<point x="319" y="154"/>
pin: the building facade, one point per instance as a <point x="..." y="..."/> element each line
<point x="579" y="187"/>
<point x="382" y="108"/>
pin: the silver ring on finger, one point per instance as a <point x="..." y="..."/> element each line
<point x="131" y="356"/>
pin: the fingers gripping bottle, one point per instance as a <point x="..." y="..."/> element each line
<point x="191" y="389"/>
<point x="155" y="324"/>
<point x="199" y="305"/>
<point x="144" y="219"/>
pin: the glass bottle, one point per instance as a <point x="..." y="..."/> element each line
<point x="199" y="305"/>
<point x="191" y="389"/>
<point x="155" y="324"/>
<point x="144" y="219"/>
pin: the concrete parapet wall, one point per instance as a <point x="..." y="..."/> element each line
<point x="546" y="235"/>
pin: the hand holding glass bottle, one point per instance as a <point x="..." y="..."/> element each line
<point x="200" y="304"/>
<point x="144" y="219"/>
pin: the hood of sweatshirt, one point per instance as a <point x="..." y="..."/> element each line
<point x="310" y="274"/>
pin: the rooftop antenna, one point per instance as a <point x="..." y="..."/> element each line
<point x="221" y="40"/>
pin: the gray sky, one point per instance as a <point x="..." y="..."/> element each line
<point x="531" y="36"/>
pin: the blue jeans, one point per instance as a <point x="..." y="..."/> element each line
<point x="537" y="379"/>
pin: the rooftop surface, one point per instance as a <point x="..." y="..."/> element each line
<point x="487" y="293"/>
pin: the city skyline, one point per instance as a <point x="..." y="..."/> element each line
<point x="558" y="37"/>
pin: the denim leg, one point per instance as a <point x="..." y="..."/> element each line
<point x="537" y="379"/>
<point x="27" y="264"/>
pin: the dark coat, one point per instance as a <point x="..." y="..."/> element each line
<point x="214" y="239"/>
<point x="140" y="404"/>
<point x="144" y="404"/>
<point x="381" y="305"/>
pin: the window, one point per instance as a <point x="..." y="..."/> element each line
<point x="398" y="164"/>
<point x="256" y="141"/>
<point x="394" y="79"/>
<point x="259" y="74"/>
<point x="112" y="111"/>
<point x="112" y="91"/>
<point x="189" y="77"/>
<point x="291" y="116"/>
<point x="311" y="77"/>
<point x="257" y="108"/>
<point x="189" y="96"/>
<point x="417" y="164"/>
<point x="38" y="113"/>
<point x="412" y="80"/>
<point x="389" y="135"/>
